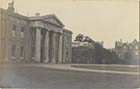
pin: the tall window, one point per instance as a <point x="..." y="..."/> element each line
<point x="67" y="54"/>
<point x="130" y="47"/>
<point x="33" y="52"/>
<point x="21" y="51"/>
<point x="67" y="40"/>
<point x="14" y="31"/>
<point x="124" y="47"/>
<point x="22" y="32"/>
<point x="136" y="47"/>
<point x="13" y="50"/>
<point x="136" y="53"/>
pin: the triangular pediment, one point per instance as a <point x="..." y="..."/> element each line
<point x="53" y="19"/>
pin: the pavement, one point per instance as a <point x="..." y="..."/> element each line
<point x="63" y="76"/>
<point x="69" y="67"/>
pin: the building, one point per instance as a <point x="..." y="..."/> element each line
<point x="78" y="44"/>
<point x="92" y="53"/>
<point x="84" y="50"/>
<point x="33" y="39"/>
<point x="85" y="44"/>
<point x="128" y="52"/>
<point x="89" y="51"/>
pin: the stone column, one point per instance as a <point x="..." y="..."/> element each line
<point x="38" y="45"/>
<point x="53" y="47"/>
<point x="47" y="47"/>
<point x="60" y="49"/>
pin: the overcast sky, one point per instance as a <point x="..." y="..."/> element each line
<point x="101" y="20"/>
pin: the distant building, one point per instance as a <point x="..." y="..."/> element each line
<point x="78" y="44"/>
<point x="85" y="51"/>
<point x="82" y="54"/>
<point x="38" y="38"/>
<point x="128" y="51"/>
<point x="85" y="44"/>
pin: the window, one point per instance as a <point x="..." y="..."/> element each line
<point x="13" y="50"/>
<point x="33" y="35"/>
<point x="136" y="47"/>
<point x="33" y="51"/>
<point x="21" y="51"/>
<point x="136" y="53"/>
<point x="67" y="54"/>
<point x="14" y="31"/>
<point x="130" y="47"/>
<point x="67" y="40"/>
<point x="22" y="32"/>
<point x="125" y="47"/>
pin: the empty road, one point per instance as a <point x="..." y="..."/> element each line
<point x="23" y="76"/>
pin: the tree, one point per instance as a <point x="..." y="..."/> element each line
<point x="79" y="37"/>
<point x="88" y="39"/>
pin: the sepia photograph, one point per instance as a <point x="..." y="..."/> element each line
<point x="69" y="44"/>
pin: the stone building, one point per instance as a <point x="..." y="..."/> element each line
<point x="128" y="51"/>
<point x="33" y="39"/>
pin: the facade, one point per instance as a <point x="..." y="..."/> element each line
<point x="33" y="39"/>
<point x="128" y="51"/>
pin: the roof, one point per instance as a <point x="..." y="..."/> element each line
<point x="44" y="18"/>
<point x="13" y="14"/>
<point x="65" y="30"/>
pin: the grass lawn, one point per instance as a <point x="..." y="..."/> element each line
<point x="108" y="67"/>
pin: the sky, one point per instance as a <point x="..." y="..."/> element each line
<point x="102" y="20"/>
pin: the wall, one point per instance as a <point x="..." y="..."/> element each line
<point x="10" y="20"/>
<point x="67" y="46"/>
<point x="3" y="30"/>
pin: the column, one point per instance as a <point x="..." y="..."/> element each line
<point x="47" y="47"/>
<point x="38" y="44"/>
<point x="53" y="47"/>
<point x="60" y="48"/>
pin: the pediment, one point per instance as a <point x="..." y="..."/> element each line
<point x="53" y="19"/>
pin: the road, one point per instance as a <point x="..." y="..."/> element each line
<point x="22" y="76"/>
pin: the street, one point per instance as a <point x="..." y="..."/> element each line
<point x="22" y="76"/>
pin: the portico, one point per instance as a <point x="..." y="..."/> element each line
<point x="48" y="46"/>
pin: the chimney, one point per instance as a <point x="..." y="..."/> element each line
<point x="11" y="6"/>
